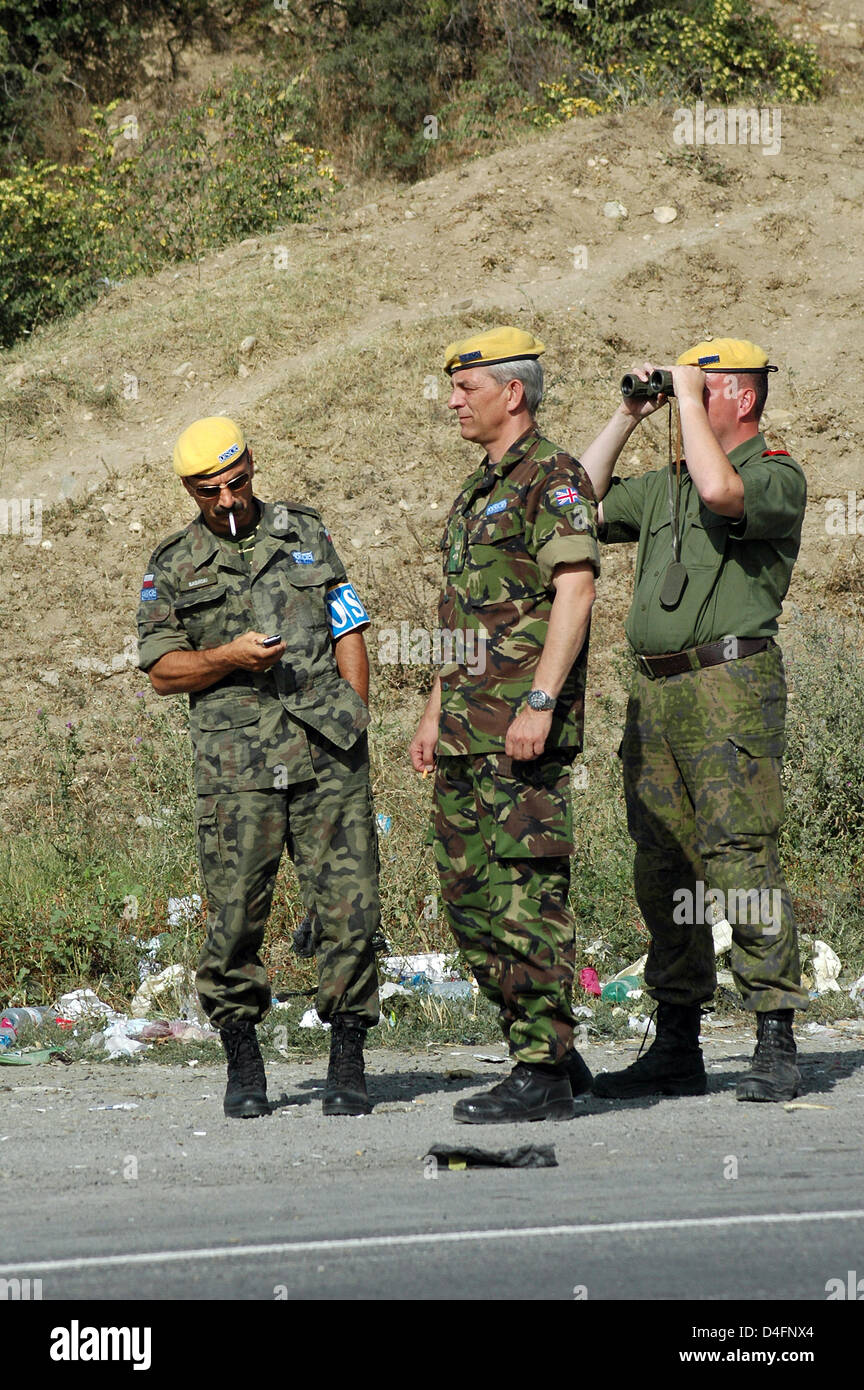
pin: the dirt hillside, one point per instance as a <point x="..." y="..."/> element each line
<point x="350" y="316"/>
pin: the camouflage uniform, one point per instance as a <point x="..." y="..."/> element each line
<point x="503" y="829"/>
<point x="280" y="757"/>
<point x="702" y="749"/>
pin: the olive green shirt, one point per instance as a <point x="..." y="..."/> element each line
<point x="738" y="572"/>
<point x="250" y="729"/>
<point x="512" y="525"/>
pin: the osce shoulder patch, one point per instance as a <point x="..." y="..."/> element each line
<point x="303" y="557"/>
<point x="495" y="507"/>
<point x="148" y="594"/>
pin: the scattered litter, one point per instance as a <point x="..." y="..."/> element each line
<point x="856" y="992"/>
<point x="614" y="209"/>
<point x="488" y="1057"/>
<point x="394" y="1107"/>
<point x="722" y="933"/>
<point x="31" y="1058"/>
<point x="118" y="1043"/>
<point x="183" y="910"/>
<point x="583" y="1011"/>
<point x="805" y="1105"/>
<point x="148" y="964"/>
<point x="83" y="1003"/>
<point x="618" y="989"/>
<point x="636" y="970"/>
<point x="665" y="214"/>
<point x="199" y="1133"/>
<point x="447" y="989"/>
<point x="180" y="1030"/>
<point x="121" y="1105"/>
<point x="816" y="1028"/>
<point x="636" y="1023"/>
<point x="389" y="989"/>
<point x="826" y="967"/>
<point x="384" y="823"/>
<point x="311" y="1020"/>
<point x="458" y="1157"/>
<point x="589" y="980"/>
<point x="174" y="986"/>
<point x="431" y="972"/>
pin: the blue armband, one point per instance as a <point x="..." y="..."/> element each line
<point x="345" y="611"/>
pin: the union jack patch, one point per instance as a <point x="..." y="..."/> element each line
<point x="566" y="497"/>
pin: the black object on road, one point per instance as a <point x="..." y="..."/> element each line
<point x="460" y="1156"/>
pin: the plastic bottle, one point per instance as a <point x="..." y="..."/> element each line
<point x="22" y="1021"/>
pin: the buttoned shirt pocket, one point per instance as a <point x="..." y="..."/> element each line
<point x="704" y="542"/>
<point x="501" y="568"/>
<point x="202" y="613"/>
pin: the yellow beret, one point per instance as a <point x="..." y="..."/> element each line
<point x="486" y="349"/>
<point x="208" y="446"/>
<point x="726" y="354"/>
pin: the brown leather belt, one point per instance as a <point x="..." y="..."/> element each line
<point x="712" y="654"/>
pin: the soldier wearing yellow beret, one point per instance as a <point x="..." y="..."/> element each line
<point x="504" y="720"/>
<point x="249" y="611"/>
<point x="718" y="534"/>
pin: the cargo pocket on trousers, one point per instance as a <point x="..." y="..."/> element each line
<point x="534" y="816"/>
<point x="755" y="804"/>
<point x="210" y="863"/>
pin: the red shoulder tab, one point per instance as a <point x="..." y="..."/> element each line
<point x="769" y="453"/>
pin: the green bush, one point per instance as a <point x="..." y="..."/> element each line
<point x="623" y="52"/>
<point x="227" y="166"/>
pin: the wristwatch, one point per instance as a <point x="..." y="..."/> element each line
<point x="538" y="699"/>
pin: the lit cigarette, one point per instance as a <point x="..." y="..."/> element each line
<point x="232" y="523"/>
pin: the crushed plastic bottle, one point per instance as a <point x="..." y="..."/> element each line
<point x="20" y="1022"/>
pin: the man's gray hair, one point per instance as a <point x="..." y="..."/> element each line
<point x="525" y="369"/>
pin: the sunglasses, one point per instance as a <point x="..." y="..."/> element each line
<point x="214" y="489"/>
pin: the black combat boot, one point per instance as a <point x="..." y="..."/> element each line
<point x="528" y="1093"/>
<point x="578" y="1073"/>
<point x="246" y="1095"/>
<point x="773" y="1074"/>
<point x="672" y="1066"/>
<point x="345" y="1093"/>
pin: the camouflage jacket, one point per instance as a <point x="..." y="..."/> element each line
<point x="512" y="524"/>
<point x="249" y="729"/>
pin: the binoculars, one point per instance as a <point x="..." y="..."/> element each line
<point x="658" y="382"/>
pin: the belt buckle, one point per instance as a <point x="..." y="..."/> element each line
<point x="644" y="665"/>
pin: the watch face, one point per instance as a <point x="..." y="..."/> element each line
<point x="538" y="699"/>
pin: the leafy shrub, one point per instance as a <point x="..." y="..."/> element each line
<point x="227" y="166"/>
<point x="627" y="51"/>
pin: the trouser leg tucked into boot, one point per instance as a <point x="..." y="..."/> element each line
<point x="345" y="1093"/>
<point x="672" y="1066"/>
<point x="246" y="1094"/>
<point x="773" y="1073"/>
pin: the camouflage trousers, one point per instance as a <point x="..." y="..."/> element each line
<point x="328" y="827"/>
<point x="701" y="758"/>
<point x="502" y="837"/>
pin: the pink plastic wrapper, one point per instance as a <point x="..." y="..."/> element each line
<point x="588" y="980"/>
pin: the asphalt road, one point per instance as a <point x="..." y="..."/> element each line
<point x="696" y="1200"/>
